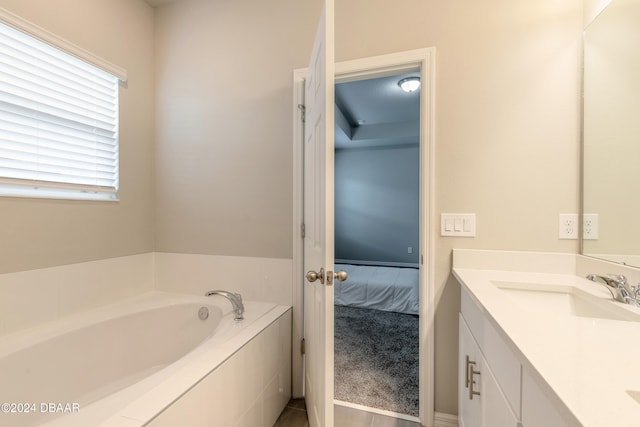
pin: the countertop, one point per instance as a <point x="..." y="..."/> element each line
<point x="590" y="364"/>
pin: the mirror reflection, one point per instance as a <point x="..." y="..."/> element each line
<point x="611" y="134"/>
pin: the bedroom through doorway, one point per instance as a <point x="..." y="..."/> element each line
<point x="377" y="242"/>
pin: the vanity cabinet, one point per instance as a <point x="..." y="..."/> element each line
<point x="494" y="390"/>
<point x="480" y="399"/>
<point x="537" y="409"/>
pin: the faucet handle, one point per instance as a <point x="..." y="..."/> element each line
<point x="621" y="278"/>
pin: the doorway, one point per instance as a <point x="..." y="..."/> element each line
<point x="376" y="217"/>
<point x="424" y="61"/>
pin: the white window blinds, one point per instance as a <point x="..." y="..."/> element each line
<point x="58" y="122"/>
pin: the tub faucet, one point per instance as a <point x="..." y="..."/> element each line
<point x="619" y="287"/>
<point x="236" y="302"/>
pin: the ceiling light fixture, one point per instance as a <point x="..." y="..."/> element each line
<point x="409" y="84"/>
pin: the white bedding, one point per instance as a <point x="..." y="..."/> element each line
<point x="382" y="288"/>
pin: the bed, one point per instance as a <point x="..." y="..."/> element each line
<point x="378" y="287"/>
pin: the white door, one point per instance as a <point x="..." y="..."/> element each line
<point x="318" y="220"/>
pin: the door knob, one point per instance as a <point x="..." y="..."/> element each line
<point x="340" y="276"/>
<point x="312" y="276"/>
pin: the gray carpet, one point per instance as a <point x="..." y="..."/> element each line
<point x="376" y="359"/>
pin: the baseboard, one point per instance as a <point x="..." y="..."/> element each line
<point x="445" y="420"/>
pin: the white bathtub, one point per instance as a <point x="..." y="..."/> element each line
<point x="127" y="364"/>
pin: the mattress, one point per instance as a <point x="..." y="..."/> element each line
<point x="377" y="287"/>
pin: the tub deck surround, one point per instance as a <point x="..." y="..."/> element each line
<point x="132" y="390"/>
<point x="33" y="297"/>
<point x="587" y="366"/>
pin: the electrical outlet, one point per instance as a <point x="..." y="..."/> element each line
<point x="568" y="226"/>
<point x="409" y="250"/>
<point x="590" y="226"/>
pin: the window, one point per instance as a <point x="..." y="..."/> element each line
<point x="58" y="121"/>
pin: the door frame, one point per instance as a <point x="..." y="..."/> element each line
<point x="358" y="69"/>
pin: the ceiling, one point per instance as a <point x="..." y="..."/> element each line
<point x="376" y="112"/>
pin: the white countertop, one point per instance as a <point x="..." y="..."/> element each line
<point x="589" y="363"/>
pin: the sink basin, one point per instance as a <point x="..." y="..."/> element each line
<point x="564" y="300"/>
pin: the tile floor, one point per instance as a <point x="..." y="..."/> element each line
<point x="295" y="415"/>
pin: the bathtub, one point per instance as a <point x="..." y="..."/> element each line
<point x="138" y="362"/>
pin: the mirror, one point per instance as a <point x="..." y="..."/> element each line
<point x="611" y="134"/>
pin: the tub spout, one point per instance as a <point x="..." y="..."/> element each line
<point x="236" y="302"/>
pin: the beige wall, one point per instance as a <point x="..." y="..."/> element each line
<point x="39" y="233"/>
<point x="224" y="124"/>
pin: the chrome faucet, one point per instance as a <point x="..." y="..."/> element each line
<point x="236" y="302"/>
<point x="619" y="287"/>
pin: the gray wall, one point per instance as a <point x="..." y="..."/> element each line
<point x="377" y="204"/>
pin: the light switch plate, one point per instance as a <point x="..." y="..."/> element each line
<point x="458" y="225"/>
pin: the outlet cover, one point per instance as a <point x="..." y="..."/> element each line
<point x="568" y="226"/>
<point x="590" y="226"/>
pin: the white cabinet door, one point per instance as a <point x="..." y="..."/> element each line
<point x="489" y="407"/>
<point x="496" y="411"/>
<point x="469" y="409"/>
<point x="537" y="409"/>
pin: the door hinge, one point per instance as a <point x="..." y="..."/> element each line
<point x="303" y="230"/>
<point x="302" y="347"/>
<point x="303" y="112"/>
